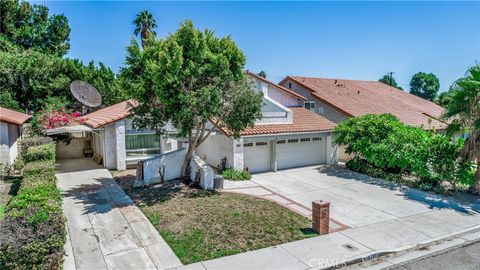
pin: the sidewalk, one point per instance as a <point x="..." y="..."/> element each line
<point x="335" y="249"/>
<point x="105" y="229"/>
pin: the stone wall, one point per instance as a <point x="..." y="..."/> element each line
<point x="74" y="149"/>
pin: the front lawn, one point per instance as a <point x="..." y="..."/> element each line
<point x="202" y="225"/>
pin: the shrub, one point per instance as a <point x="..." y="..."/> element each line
<point x="234" y="174"/>
<point x="388" y="145"/>
<point x="32" y="233"/>
<point x="40" y="152"/>
<point x="18" y="164"/>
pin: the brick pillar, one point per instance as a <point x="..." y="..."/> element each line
<point x="321" y="216"/>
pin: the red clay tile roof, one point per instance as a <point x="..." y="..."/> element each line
<point x="109" y="114"/>
<point x="277" y="85"/>
<point x="356" y="98"/>
<point x="303" y="121"/>
<point x="13" y="117"/>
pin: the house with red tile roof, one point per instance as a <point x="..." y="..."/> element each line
<point x="287" y="135"/>
<point x="338" y="99"/>
<point x="11" y="130"/>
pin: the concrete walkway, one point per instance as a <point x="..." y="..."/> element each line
<point x="105" y="229"/>
<point x="382" y="218"/>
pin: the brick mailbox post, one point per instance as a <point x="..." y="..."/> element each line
<point x="321" y="217"/>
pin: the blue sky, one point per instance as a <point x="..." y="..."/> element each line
<point x="349" y="40"/>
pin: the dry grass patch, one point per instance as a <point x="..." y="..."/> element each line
<point x="201" y="225"/>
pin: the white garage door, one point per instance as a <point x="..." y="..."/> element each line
<point x="256" y="156"/>
<point x="297" y="152"/>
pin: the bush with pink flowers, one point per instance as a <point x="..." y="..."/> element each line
<point x="60" y="118"/>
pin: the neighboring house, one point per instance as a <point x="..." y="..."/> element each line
<point x="287" y="136"/>
<point x="337" y="100"/>
<point x="111" y="134"/>
<point x="11" y="130"/>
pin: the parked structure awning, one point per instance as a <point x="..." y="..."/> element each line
<point x="70" y="129"/>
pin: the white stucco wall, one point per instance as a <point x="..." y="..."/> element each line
<point x="121" y="152"/>
<point x="110" y="158"/>
<point x="215" y="148"/>
<point x="170" y="164"/>
<point x="9" y="135"/>
<point x="205" y="172"/>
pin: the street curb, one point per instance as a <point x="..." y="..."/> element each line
<point x="376" y="255"/>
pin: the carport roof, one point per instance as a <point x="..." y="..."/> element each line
<point x="13" y="117"/>
<point x="110" y="114"/>
<point x="303" y="121"/>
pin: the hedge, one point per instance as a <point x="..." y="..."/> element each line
<point x="33" y="233"/>
<point x="40" y="152"/>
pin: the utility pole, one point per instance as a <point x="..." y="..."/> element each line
<point x="391" y="77"/>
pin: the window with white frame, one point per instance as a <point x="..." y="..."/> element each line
<point x="316" y="139"/>
<point x="261" y="143"/>
<point x="310" y="105"/>
<point x="292" y="140"/>
<point x="305" y="139"/>
<point x="248" y="144"/>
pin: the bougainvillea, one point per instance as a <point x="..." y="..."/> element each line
<point x="60" y="118"/>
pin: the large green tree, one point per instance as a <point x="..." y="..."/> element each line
<point x="29" y="77"/>
<point x="463" y="112"/>
<point x="190" y="79"/>
<point x="389" y="80"/>
<point x="144" y="25"/>
<point x="30" y="26"/>
<point x="425" y="85"/>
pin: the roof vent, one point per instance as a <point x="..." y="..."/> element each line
<point x="358" y="92"/>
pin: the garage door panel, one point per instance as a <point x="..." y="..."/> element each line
<point x="257" y="156"/>
<point x="300" y="153"/>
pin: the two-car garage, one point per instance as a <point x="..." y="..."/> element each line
<point x="283" y="152"/>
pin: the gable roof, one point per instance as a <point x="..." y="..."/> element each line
<point x="13" y="117"/>
<point x="303" y="121"/>
<point x="356" y="98"/>
<point x="110" y="114"/>
<point x="282" y="88"/>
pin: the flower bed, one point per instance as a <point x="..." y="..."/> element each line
<point x="32" y="233"/>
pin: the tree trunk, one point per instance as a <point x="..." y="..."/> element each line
<point x="477" y="178"/>
<point x="186" y="162"/>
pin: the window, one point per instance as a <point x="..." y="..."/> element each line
<point x="316" y="139"/>
<point x="310" y="105"/>
<point x="305" y="139"/>
<point x="140" y="144"/>
<point x="290" y="85"/>
<point x="248" y="144"/>
<point x="292" y="140"/>
<point x="261" y="143"/>
<point x="281" y="142"/>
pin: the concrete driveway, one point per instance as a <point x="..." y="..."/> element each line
<point x="358" y="200"/>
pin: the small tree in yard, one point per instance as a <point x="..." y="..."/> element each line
<point x="191" y="79"/>
<point x="463" y="111"/>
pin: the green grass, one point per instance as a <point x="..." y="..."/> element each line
<point x="202" y="225"/>
<point x="2" y="211"/>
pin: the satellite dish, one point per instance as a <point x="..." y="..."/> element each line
<point x="86" y="94"/>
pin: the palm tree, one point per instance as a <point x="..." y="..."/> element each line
<point x="144" y="25"/>
<point x="463" y="112"/>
